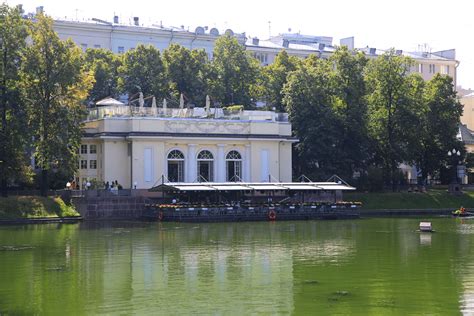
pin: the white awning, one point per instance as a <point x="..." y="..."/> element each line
<point x="259" y="186"/>
<point x="336" y="187"/>
<point x="266" y="187"/>
<point x="231" y="187"/>
<point x="297" y="186"/>
<point x="194" y="188"/>
<point x="109" y="101"/>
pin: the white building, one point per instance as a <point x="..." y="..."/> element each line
<point x="120" y="38"/>
<point x="139" y="147"/>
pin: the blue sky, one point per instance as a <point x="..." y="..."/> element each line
<point x="402" y="24"/>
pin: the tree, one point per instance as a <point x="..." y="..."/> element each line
<point x="13" y="131"/>
<point x="104" y="65"/>
<point x="55" y="85"/>
<point x="186" y="70"/>
<point x="390" y="111"/>
<point x="142" y="70"/>
<point x="350" y="109"/>
<point x="308" y="102"/>
<point x="274" y="78"/>
<point x="439" y="125"/>
<point x="233" y="72"/>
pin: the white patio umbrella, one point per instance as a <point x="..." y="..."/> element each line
<point x="181" y="101"/>
<point x="153" y="102"/>
<point x="208" y="104"/>
<point x="164" y="105"/>
<point x="141" y="100"/>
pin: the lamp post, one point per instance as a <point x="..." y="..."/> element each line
<point x="454" y="187"/>
<point x="455" y="154"/>
<point x="68" y="185"/>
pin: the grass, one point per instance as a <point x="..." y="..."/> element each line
<point x="14" y="207"/>
<point x="432" y="199"/>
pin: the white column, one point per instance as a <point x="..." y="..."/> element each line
<point x="191" y="165"/>
<point x="220" y="162"/>
<point x="246" y="164"/>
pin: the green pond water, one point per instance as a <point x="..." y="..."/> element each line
<point x="379" y="266"/>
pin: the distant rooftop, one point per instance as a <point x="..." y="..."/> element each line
<point x="440" y="55"/>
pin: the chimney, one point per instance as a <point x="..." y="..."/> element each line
<point x="39" y="10"/>
<point x="136" y="21"/>
<point x="372" y="51"/>
<point x="255" y="41"/>
<point x="286" y="43"/>
<point x="116" y="20"/>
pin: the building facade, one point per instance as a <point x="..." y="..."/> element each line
<point x="120" y="38"/>
<point x="467" y="117"/>
<point x="140" y="147"/>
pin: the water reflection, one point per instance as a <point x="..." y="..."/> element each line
<point x="425" y="239"/>
<point x="334" y="267"/>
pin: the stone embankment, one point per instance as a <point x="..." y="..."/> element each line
<point x="112" y="207"/>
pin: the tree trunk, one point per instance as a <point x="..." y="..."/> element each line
<point x="3" y="187"/>
<point x="44" y="183"/>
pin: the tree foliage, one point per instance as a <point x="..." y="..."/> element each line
<point x="307" y="100"/>
<point x="275" y="77"/>
<point x="104" y="65"/>
<point x="391" y="115"/>
<point x="55" y="85"/>
<point x="13" y="131"/>
<point x="142" y="70"/>
<point x="187" y="71"/>
<point x="438" y="125"/>
<point x="350" y="110"/>
<point x="233" y="72"/>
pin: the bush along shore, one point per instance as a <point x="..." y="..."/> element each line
<point x="35" y="208"/>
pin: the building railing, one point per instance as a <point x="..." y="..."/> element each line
<point x="125" y="111"/>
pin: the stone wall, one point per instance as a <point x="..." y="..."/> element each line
<point x="116" y="207"/>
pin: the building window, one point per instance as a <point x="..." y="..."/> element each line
<point x="175" y="166"/>
<point x="84" y="47"/>
<point x="93" y="149"/>
<point x="93" y="164"/>
<point x="420" y="68"/>
<point x="262" y="58"/>
<point x="233" y="166"/>
<point x="432" y="69"/>
<point x="121" y="50"/>
<point x="445" y="70"/>
<point x="83" y="164"/>
<point x="83" y="149"/>
<point x="205" y="164"/>
<point x="96" y="46"/>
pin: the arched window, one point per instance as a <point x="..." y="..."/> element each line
<point x="205" y="161"/>
<point x="233" y="166"/>
<point x="175" y="166"/>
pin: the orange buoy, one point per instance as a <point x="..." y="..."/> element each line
<point x="271" y="215"/>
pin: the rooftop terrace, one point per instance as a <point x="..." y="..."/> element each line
<point x="125" y="111"/>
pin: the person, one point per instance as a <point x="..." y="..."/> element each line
<point x="107" y="185"/>
<point x="462" y="209"/>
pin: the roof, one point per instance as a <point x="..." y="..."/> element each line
<point x="259" y="186"/>
<point x="414" y="55"/>
<point x="465" y="135"/>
